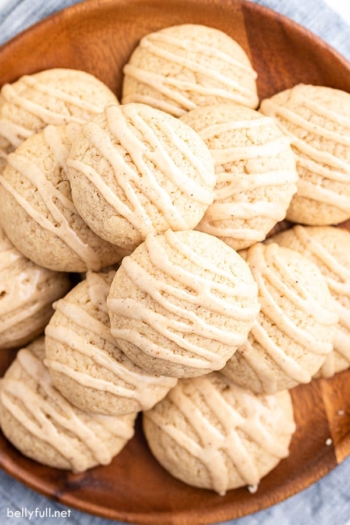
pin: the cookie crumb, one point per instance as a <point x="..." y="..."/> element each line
<point x="328" y="442"/>
<point x="340" y="412"/>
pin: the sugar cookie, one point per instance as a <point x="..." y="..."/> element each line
<point x="182" y="303"/>
<point x="294" y="331"/>
<point x="210" y="433"/>
<point x="44" y="426"/>
<point x="182" y="67"/>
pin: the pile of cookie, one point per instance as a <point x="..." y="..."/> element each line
<point x="160" y="206"/>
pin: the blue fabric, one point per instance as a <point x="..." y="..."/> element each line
<point x="326" y="502"/>
<point x="318" y="17"/>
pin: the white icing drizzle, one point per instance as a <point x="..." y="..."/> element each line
<point x="338" y="284"/>
<point x="251" y="181"/>
<point x="43" y="414"/>
<point x="138" y="385"/>
<point x="53" y="138"/>
<point x="213" y="130"/>
<point x="220" y="211"/>
<point x="162" y="105"/>
<point x="25" y="288"/>
<point x="234" y="154"/>
<point x="98" y="290"/>
<point x="199" y="47"/>
<point x="312" y="127"/>
<point x="214" y="445"/>
<point x="9" y="94"/>
<point x="229" y="188"/>
<point x="14" y="133"/>
<point x="174" y="88"/>
<point x="175" y="320"/>
<point x="322" y="109"/>
<point x="73" y="100"/>
<point x="149" y="149"/>
<point x="328" y="367"/>
<point x="315" y="161"/>
<point x="271" y="270"/>
<point x="341" y="340"/>
<point x="58" y="223"/>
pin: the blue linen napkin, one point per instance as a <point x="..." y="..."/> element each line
<point x="327" y="501"/>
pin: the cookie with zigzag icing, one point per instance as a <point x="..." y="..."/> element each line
<point x="317" y="120"/>
<point x="186" y="66"/>
<point x="84" y="360"/>
<point x="255" y="170"/>
<point x="210" y="433"/>
<point x="136" y="170"/>
<point x="182" y="303"/>
<point x="329" y="248"/>
<point x="37" y="211"/>
<point x="27" y="292"/>
<point x="53" y="96"/>
<point x="44" y="426"/>
<point x="294" y="331"/>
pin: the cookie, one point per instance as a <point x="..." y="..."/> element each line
<point x="182" y="67"/>
<point x="210" y="433"/>
<point x="44" y="426"/>
<point x="137" y="170"/>
<point x="27" y="292"/>
<point x="85" y="363"/>
<point x="37" y="212"/>
<point x="294" y="331"/>
<point x="255" y="170"/>
<point x="317" y="119"/>
<point x="182" y="303"/>
<point x="329" y="248"/>
<point x="53" y="96"/>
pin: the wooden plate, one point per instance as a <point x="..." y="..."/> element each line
<point x="98" y="36"/>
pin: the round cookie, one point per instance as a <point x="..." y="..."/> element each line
<point x="44" y="426"/>
<point x="85" y="363"/>
<point x="329" y="248"/>
<point x="317" y="119"/>
<point x="182" y="67"/>
<point x="182" y="303"/>
<point x="54" y="96"/>
<point x="294" y="331"/>
<point x="210" y="433"/>
<point x="37" y="212"/>
<point x="136" y="170"/>
<point x="255" y="170"/>
<point x="27" y="292"/>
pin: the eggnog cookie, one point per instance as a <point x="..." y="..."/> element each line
<point x="54" y="96"/>
<point x="27" y="292"/>
<point x="255" y="170"/>
<point x="44" y="426"/>
<point x="182" y="67"/>
<point x="294" y="331"/>
<point x="329" y="248"/>
<point x="210" y="433"/>
<point x="36" y="208"/>
<point x="317" y="119"/>
<point x="136" y="170"/>
<point x="84" y="361"/>
<point x="182" y="303"/>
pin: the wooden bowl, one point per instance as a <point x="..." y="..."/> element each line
<point x="98" y="36"/>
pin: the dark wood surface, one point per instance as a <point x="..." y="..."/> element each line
<point x="98" y="36"/>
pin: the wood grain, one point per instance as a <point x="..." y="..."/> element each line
<point x="98" y="36"/>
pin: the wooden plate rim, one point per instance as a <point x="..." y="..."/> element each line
<point x="281" y="492"/>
